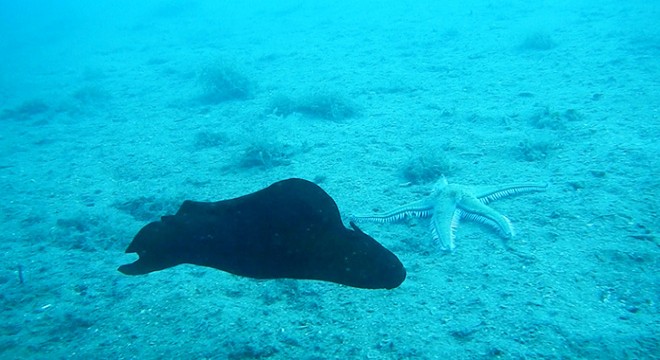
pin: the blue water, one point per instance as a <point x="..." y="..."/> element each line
<point x="113" y="112"/>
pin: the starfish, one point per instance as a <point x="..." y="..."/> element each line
<point x="449" y="203"/>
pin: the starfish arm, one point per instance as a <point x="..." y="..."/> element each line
<point x="506" y="232"/>
<point x="422" y="208"/>
<point x="475" y="210"/>
<point x="443" y="228"/>
<point x="486" y="195"/>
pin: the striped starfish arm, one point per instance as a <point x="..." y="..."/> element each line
<point x="445" y="220"/>
<point x="503" y="225"/>
<point x="422" y="208"/>
<point x="475" y="210"/>
<point x="487" y="195"/>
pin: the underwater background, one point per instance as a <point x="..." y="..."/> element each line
<point x="114" y="112"/>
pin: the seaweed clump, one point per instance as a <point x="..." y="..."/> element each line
<point x="222" y="83"/>
<point x="426" y="167"/>
<point x="536" y="150"/>
<point x="554" y="120"/>
<point x="265" y="155"/>
<point x="538" y="41"/>
<point x="322" y="105"/>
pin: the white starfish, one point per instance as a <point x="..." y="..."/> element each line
<point x="449" y="203"/>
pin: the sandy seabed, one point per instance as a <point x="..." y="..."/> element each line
<point x="104" y="130"/>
